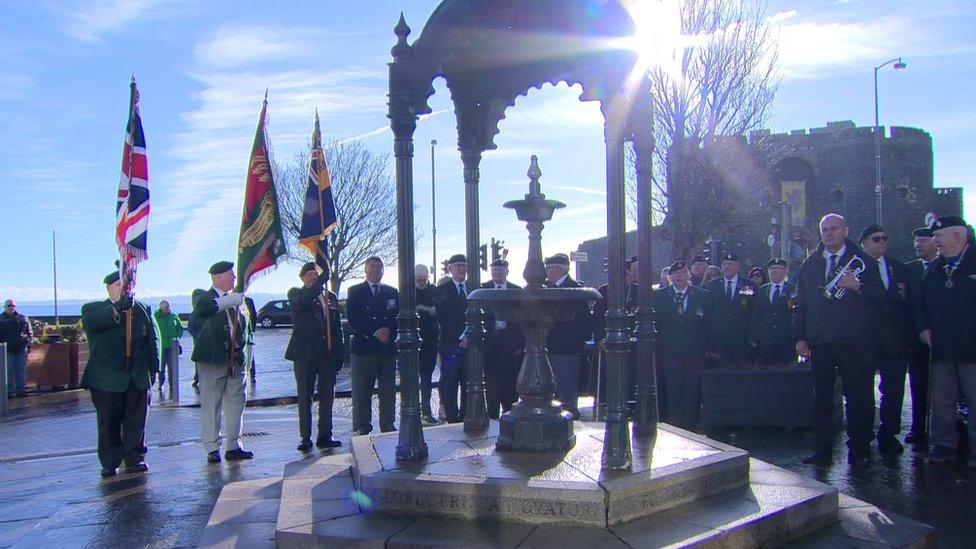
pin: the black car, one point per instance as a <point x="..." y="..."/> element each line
<point x="274" y="313"/>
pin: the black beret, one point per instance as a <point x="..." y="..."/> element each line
<point x="221" y="267"/>
<point x="947" y="221"/>
<point x="499" y="263"/>
<point x="730" y="256"/>
<point x="558" y="259"/>
<point x="111" y="278"/>
<point x="676" y="266"/>
<point x="870" y="230"/>
<point x="457" y="258"/>
<point x="923" y="231"/>
<point x="776" y="262"/>
<point x="310" y="266"/>
<point x="699" y="259"/>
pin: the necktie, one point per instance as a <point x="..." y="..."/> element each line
<point x="884" y="276"/>
<point x="833" y="266"/>
<point x="775" y="293"/>
<point x="728" y="290"/>
<point x="376" y="290"/>
<point x="461" y="291"/>
<point x="680" y="302"/>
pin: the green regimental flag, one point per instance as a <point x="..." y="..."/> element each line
<point x="261" y="243"/>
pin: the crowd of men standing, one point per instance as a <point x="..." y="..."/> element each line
<point x="851" y="310"/>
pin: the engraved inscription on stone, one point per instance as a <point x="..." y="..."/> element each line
<point x="527" y="509"/>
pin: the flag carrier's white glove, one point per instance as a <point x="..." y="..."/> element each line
<point x="230" y="300"/>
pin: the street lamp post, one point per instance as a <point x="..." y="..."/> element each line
<point x="433" y="210"/>
<point x="898" y="66"/>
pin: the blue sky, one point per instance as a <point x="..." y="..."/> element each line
<point x="203" y="67"/>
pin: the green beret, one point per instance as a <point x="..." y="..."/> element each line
<point x="221" y="267"/>
<point x="677" y="266"/>
<point x="558" y="259"/>
<point x="457" y="258"/>
<point x="947" y="221"/>
<point x="776" y="262"/>
<point x="111" y="278"/>
<point x="310" y="266"/>
<point x="923" y="231"/>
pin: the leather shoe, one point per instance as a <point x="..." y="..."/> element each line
<point x="238" y="455"/>
<point x="213" y="457"/>
<point x="861" y="459"/>
<point x="108" y="472"/>
<point x="890" y="446"/>
<point x="140" y="467"/>
<point x="328" y="443"/>
<point x="820" y="457"/>
<point x="916" y="438"/>
<point x="305" y="445"/>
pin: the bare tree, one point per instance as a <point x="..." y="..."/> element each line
<point x="365" y="199"/>
<point x="721" y="84"/>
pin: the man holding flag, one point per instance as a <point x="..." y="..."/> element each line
<point x="124" y="346"/>
<point x="316" y="346"/>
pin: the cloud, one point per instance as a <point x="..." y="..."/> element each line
<point x="87" y="20"/>
<point x="779" y="17"/>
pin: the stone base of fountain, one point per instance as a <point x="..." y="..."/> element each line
<point x="529" y="430"/>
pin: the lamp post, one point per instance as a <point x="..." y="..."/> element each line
<point x="899" y="65"/>
<point x="433" y="209"/>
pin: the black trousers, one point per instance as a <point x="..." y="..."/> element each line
<point x="452" y="380"/>
<point x="918" y="378"/>
<point x="855" y="364"/>
<point x="306" y="375"/>
<point x="121" y="421"/>
<point x="428" y="360"/>
<point x="777" y="354"/>
<point x="501" y="372"/>
<point x="893" y="368"/>
<point x="679" y="383"/>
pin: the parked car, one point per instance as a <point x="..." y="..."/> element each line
<point x="275" y="313"/>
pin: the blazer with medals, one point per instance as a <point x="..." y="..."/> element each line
<point x="212" y="342"/>
<point x="106" y="369"/>
<point x="451" y="307"/>
<point x="732" y="316"/>
<point x="569" y="337"/>
<point x="367" y="313"/>
<point x="947" y="306"/>
<point x="684" y="334"/>
<point x="772" y="320"/>
<point x="892" y="313"/>
<point x="308" y="343"/>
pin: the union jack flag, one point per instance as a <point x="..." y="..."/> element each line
<point x="132" y="208"/>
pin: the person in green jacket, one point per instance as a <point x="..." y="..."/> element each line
<point x="170" y="327"/>
<point x="120" y="386"/>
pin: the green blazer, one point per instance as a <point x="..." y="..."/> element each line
<point x="210" y="343"/>
<point x="106" y="368"/>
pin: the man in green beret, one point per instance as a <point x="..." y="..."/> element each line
<point x="309" y="349"/>
<point x="218" y="352"/>
<point x="170" y="327"/>
<point x="119" y="386"/>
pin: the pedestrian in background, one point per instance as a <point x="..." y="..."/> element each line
<point x="451" y="301"/>
<point x="119" y="385"/>
<point x="429" y="336"/>
<point x="170" y="328"/>
<point x="315" y="320"/>
<point x="16" y="332"/>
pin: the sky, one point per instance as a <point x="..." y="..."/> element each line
<point x="203" y="67"/>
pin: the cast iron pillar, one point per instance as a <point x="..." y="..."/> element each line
<point x="616" y="440"/>
<point x="642" y="132"/>
<point x="403" y="122"/>
<point x="476" y="412"/>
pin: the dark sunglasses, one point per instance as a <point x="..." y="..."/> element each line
<point x="882" y="238"/>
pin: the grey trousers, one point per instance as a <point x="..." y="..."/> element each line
<point x="305" y="380"/>
<point x="221" y="395"/>
<point x="566" y="369"/>
<point x="369" y="370"/>
<point x="950" y="381"/>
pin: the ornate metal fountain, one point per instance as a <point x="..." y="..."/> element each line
<point x="536" y="422"/>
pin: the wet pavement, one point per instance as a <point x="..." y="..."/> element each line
<point x="51" y="493"/>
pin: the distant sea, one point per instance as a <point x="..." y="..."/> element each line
<point x="72" y="307"/>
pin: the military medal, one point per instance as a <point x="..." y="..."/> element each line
<point x="951" y="269"/>
<point x="948" y="283"/>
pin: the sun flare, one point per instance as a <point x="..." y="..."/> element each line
<point x="658" y="35"/>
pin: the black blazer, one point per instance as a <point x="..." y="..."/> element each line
<point x="569" y="336"/>
<point x="732" y="316"/>
<point x="688" y="334"/>
<point x="772" y="321"/>
<point x="950" y="312"/>
<point x="308" y="343"/>
<point x="367" y="314"/>
<point x="450" y="314"/>
<point x="892" y="315"/>
<point x="511" y="339"/>
<point x="599" y="318"/>
<point x="817" y="319"/>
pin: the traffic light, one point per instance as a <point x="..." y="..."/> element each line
<point x="496" y="249"/>
<point x="483" y="256"/>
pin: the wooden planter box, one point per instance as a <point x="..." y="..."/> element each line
<point x="56" y="365"/>
<point x="777" y="397"/>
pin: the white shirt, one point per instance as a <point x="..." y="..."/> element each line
<point x="458" y="285"/>
<point x="883" y="268"/>
<point x="735" y="285"/>
<point x="561" y="279"/>
<point x="826" y="255"/>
